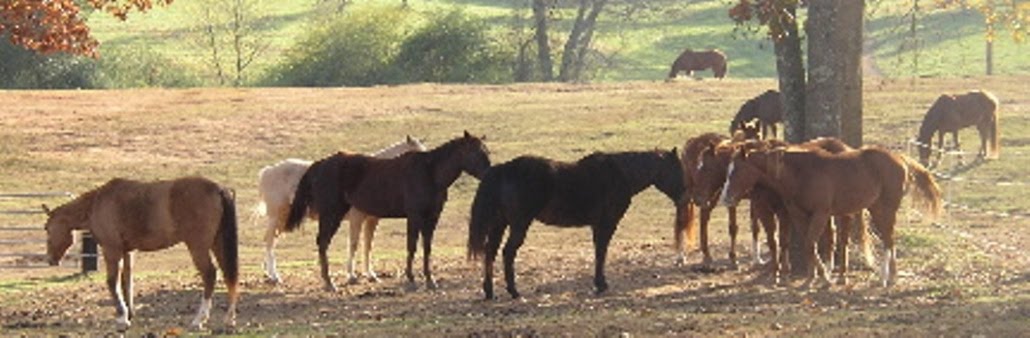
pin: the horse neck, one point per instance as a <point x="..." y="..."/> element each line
<point x="79" y="209"/>
<point x="446" y="163"/>
<point x="638" y="169"/>
<point x="929" y="126"/>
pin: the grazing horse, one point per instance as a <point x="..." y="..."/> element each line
<point x="413" y="186"/>
<point x="767" y="108"/>
<point x="710" y="176"/>
<point x="125" y="216"/>
<point x="953" y="112"/>
<point x="689" y="61"/>
<point x="594" y="191"/>
<point x="276" y="184"/>
<point x="815" y="184"/>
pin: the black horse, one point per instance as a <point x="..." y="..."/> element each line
<point x="594" y="191"/>
<point x="767" y="108"/>
<point x="412" y="186"/>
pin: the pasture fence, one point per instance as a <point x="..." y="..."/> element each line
<point x="23" y="245"/>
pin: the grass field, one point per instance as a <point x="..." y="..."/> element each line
<point x="638" y="49"/>
<point x="964" y="275"/>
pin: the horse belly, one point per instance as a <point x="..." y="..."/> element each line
<point x="563" y="215"/>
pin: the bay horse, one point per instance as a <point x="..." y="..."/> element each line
<point x="413" y="186"/>
<point x="953" y="112"/>
<point x="766" y="206"/>
<point x="125" y="216"/>
<point x="594" y="191"/>
<point x="689" y="61"/>
<point x="815" y="184"/>
<point x="767" y="108"/>
<point x="276" y="184"/>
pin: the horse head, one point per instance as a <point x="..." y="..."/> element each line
<point x="745" y="170"/>
<point x="931" y="121"/>
<point x="710" y="172"/>
<point x="60" y="223"/>
<point x="669" y="178"/>
<point x="475" y="156"/>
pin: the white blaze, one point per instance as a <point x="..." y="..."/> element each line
<point x="724" y="197"/>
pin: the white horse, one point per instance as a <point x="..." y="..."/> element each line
<point x="276" y="186"/>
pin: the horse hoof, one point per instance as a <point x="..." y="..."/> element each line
<point x="122" y="324"/>
<point x="600" y="289"/>
<point x="431" y="285"/>
<point x="372" y="277"/>
<point x="273" y="280"/>
<point x="330" y="288"/>
<point x="352" y="280"/>
<point x="514" y="294"/>
<point x="410" y="286"/>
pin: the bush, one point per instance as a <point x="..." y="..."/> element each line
<point x="353" y="49"/>
<point x="453" y="48"/>
<point x="141" y="67"/>
<point x="24" y="69"/>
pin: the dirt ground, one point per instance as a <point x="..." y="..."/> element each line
<point x="965" y="274"/>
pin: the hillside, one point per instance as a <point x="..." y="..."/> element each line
<point x="639" y="48"/>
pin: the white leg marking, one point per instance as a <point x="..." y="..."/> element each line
<point x="724" y="196"/>
<point x="202" y="314"/>
<point x="757" y="252"/>
<point x="886" y="271"/>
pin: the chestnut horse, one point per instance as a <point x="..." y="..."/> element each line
<point x="767" y="108"/>
<point x="412" y="186"/>
<point x="815" y="184"/>
<point x="689" y="61"/>
<point x="953" y="112"/>
<point x="594" y="191"/>
<point x="125" y="216"/>
<point x="685" y="232"/>
<point x="276" y="184"/>
<point x="710" y="174"/>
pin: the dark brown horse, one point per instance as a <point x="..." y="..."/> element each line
<point x="689" y="61"/>
<point x="594" y="191"/>
<point x="953" y="112"/>
<point x="767" y="108"/>
<point x="815" y="185"/>
<point x="126" y="216"/>
<point x="413" y="186"/>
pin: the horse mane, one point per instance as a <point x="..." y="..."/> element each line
<point x="932" y="119"/>
<point x="82" y="206"/>
<point x="440" y="152"/>
<point x="634" y="167"/>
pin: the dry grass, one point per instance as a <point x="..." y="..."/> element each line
<point x="965" y="277"/>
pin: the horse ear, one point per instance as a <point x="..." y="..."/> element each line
<point x="47" y="210"/>
<point x="467" y="135"/>
<point x="407" y="138"/>
<point x="482" y="138"/>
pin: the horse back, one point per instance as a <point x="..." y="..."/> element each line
<point x="582" y="192"/>
<point x="388" y="188"/>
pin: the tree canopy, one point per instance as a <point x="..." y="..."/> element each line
<point x="57" y="25"/>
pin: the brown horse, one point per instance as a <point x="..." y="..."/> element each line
<point x="413" y="186"/>
<point x="594" y="191"/>
<point x="767" y="108"/>
<point x="125" y="216"/>
<point x="685" y="232"/>
<point x="815" y="184"/>
<point x="689" y="61"/>
<point x="710" y="174"/>
<point x="953" y="112"/>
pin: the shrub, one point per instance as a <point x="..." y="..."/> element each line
<point x="141" y="67"/>
<point x="24" y="69"/>
<point x="453" y="48"/>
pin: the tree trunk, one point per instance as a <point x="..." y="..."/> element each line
<point x="543" y="45"/>
<point x="569" y="53"/>
<point x="989" y="56"/>
<point x="851" y="20"/>
<point x="790" y="69"/>
<point x="826" y="69"/>
<point x="588" y="36"/>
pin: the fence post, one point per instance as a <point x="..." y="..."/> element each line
<point x="89" y="253"/>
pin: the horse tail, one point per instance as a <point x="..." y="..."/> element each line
<point x="995" y="150"/>
<point x="230" y="239"/>
<point x="929" y="192"/>
<point x="686" y="228"/>
<point x="486" y="213"/>
<point x="301" y="200"/>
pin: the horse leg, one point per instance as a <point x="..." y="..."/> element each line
<point x="511" y="249"/>
<point x="756" y="249"/>
<point x="733" y="229"/>
<point x="414" y="226"/>
<point x="112" y="259"/>
<point x="202" y="260"/>
<point x="826" y="244"/>
<point x="328" y="224"/>
<point x="602" y="237"/>
<point x="127" y="283"/>
<point x="958" y="148"/>
<point x="371" y="223"/>
<point x="984" y="130"/>
<point x="493" y="243"/>
<point x="706" y="214"/>
<point x="843" y="236"/>
<point x="884" y="219"/>
<point x="427" y="248"/>
<point x="940" y="146"/>
<point x="356" y="220"/>
<point x="270" y="238"/>
<point x="816" y="225"/>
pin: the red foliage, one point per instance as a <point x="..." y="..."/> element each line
<point x="56" y="25"/>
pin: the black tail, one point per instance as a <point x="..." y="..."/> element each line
<point x="230" y="239"/>
<point x="301" y="199"/>
<point x="486" y="211"/>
